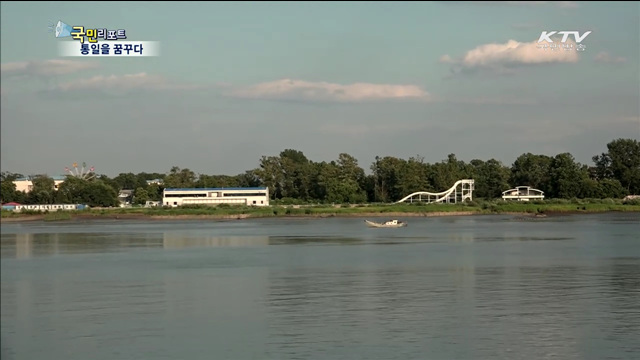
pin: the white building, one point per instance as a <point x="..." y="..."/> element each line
<point x="155" y="182"/>
<point x="523" y="193"/>
<point x="256" y="196"/>
<point x="26" y="184"/>
<point x="52" y="207"/>
<point x="125" y="197"/>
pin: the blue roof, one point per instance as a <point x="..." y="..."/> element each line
<point x="215" y="189"/>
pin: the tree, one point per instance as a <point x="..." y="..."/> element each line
<point x="42" y="191"/>
<point x="9" y="176"/>
<point x="126" y="181"/>
<point x="387" y="172"/>
<point x="140" y="196"/>
<point x="154" y="192"/>
<point x="295" y="169"/>
<point x="531" y="170"/>
<point x="566" y="177"/>
<point x="90" y="192"/>
<point x="414" y="176"/>
<point x="491" y="179"/>
<point x="180" y="178"/>
<point x="249" y="179"/>
<point x="611" y="188"/>
<point x="8" y="191"/>
<point x="444" y="174"/>
<point x="270" y="174"/>
<point x="621" y="162"/>
<point x="97" y="193"/>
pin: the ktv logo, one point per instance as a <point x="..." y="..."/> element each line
<point x="549" y="43"/>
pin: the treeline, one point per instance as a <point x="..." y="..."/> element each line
<point x="292" y="177"/>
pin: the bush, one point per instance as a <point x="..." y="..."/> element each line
<point x="632" y="202"/>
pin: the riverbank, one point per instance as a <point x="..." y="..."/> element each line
<point x="387" y="211"/>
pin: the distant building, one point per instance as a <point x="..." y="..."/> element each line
<point x="523" y="193"/>
<point x="48" y="207"/>
<point x="26" y="183"/>
<point x="155" y="182"/>
<point x="125" y="197"/>
<point x="152" y="204"/>
<point x="255" y="196"/>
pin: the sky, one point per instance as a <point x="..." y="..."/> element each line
<point x="236" y="81"/>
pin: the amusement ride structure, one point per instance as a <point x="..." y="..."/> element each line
<point x="81" y="173"/>
<point x="448" y="196"/>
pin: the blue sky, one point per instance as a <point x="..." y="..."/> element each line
<point x="234" y="82"/>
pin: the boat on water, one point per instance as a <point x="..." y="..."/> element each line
<point x="387" y="224"/>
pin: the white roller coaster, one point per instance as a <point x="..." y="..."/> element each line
<point x="448" y="196"/>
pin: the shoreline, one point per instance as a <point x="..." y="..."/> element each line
<point x="395" y="214"/>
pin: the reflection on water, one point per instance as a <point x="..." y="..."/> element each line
<point x="462" y="288"/>
<point x="174" y="241"/>
<point x="27" y="245"/>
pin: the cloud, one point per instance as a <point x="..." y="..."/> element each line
<point x="123" y="83"/>
<point x="604" y="58"/>
<point x="503" y="58"/>
<point x="288" y="89"/>
<point x="45" y="68"/>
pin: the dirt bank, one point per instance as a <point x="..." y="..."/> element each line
<point x="22" y="218"/>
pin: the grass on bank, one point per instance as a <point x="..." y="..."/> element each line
<point x="477" y="206"/>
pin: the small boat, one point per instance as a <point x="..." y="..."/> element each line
<point x="388" y="224"/>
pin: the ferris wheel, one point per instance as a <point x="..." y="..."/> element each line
<point x="82" y="173"/>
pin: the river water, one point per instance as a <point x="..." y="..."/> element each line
<point x="469" y="287"/>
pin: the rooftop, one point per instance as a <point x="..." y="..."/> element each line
<point x="54" y="177"/>
<point x="215" y="189"/>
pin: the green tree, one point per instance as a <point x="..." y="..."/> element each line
<point x="126" y="181"/>
<point x="9" y="176"/>
<point x="140" y="196"/>
<point x="566" y="177"/>
<point x="180" y="178"/>
<point x="444" y="174"/>
<point x="621" y="162"/>
<point x="590" y="189"/>
<point x="611" y="188"/>
<point x="271" y="175"/>
<point x="42" y="191"/>
<point x="387" y="172"/>
<point x="94" y="193"/>
<point x="295" y="168"/>
<point x="154" y="192"/>
<point x="491" y="179"/>
<point x="413" y="176"/>
<point x="97" y="193"/>
<point x="248" y="179"/>
<point x="531" y="170"/>
<point x="8" y="191"/>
